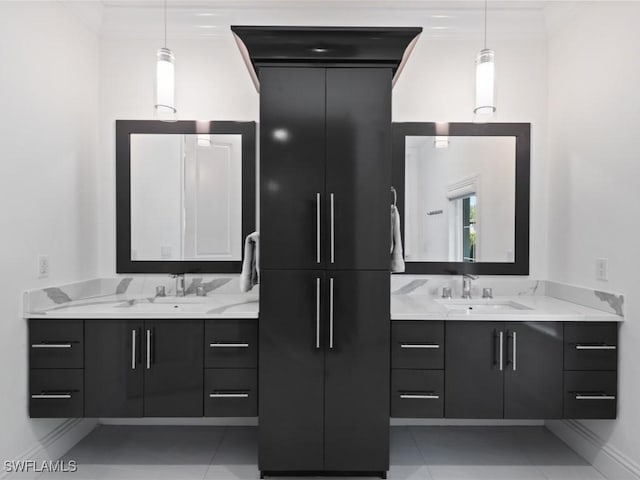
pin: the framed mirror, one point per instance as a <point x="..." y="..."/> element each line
<point x="185" y="195"/>
<point x="462" y="191"/>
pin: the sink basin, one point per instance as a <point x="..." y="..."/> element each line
<point x="179" y="300"/>
<point x="166" y="307"/>
<point x="482" y="306"/>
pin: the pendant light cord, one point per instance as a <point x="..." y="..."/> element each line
<point x="165" y="25"/>
<point x="485" y="24"/>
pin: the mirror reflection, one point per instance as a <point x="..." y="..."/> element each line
<point x="186" y="197"/>
<point x="460" y="198"/>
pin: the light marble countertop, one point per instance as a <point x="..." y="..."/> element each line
<point x="536" y="308"/>
<point x="217" y="305"/>
<point x="412" y="298"/>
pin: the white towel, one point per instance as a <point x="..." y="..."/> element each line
<point x="397" y="256"/>
<point x="250" y="275"/>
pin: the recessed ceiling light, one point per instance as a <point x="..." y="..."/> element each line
<point x="439" y="28"/>
<point x="207" y="26"/>
<point x="205" y="14"/>
<point x="440" y="16"/>
<point x="320" y="50"/>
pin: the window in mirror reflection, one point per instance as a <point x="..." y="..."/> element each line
<point x="186" y="197"/>
<point x="460" y="200"/>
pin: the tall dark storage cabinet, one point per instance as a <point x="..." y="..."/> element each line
<point x="325" y="234"/>
<point x="324" y="301"/>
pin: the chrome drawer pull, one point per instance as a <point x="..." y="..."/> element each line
<point x="420" y="345"/>
<point x="48" y="396"/>
<point x="228" y="395"/>
<point x="318" y="232"/>
<point x="595" y="347"/>
<point x="333" y="229"/>
<point x="419" y="396"/>
<point x="580" y="396"/>
<point x="51" y="345"/>
<point x="317" y="313"/>
<point x="229" y="345"/>
<point x="133" y="349"/>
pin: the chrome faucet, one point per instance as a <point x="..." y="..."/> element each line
<point x="466" y="285"/>
<point x="180" y="289"/>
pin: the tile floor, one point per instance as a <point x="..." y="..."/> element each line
<point x="417" y="453"/>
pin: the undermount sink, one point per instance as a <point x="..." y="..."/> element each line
<point x="482" y="306"/>
<point x="179" y="300"/>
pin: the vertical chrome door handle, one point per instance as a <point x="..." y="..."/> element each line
<point x="133" y="349"/>
<point x="318" y="226"/>
<point x="331" y="313"/>
<point x="148" y="349"/>
<point x="501" y="350"/>
<point x="333" y="230"/>
<point x="317" y="313"/>
<point x="514" y="359"/>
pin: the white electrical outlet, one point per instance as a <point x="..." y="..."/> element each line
<point x="166" y="252"/>
<point x="43" y="266"/>
<point x="602" y="269"/>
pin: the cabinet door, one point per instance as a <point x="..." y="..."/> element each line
<point x="292" y="167"/>
<point x="474" y="378"/>
<point x="113" y="368"/>
<point x="359" y="168"/>
<point x="357" y="371"/>
<point x="173" y="368"/>
<point x="291" y="373"/>
<point x="533" y="373"/>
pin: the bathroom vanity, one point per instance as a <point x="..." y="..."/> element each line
<point x="340" y="346"/>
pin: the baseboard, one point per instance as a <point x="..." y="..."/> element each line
<point x="55" y="443"/>
<point x="456" y="422"/>
<point x="608" y="460"/>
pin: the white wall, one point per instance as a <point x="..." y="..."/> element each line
<point x="438" y="85"/>
<point x="48" y="126"/>
<point x="594" y="178"/>
<point x="213" y="84"/>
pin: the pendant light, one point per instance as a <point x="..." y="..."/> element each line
<point x="165" y="105"/>
<point x="485" y="78"/>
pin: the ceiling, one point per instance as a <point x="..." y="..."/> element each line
<point x="210" y="18"/>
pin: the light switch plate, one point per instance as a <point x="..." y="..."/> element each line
<point x="43" y="266"/>
<point x="602" y="269"/>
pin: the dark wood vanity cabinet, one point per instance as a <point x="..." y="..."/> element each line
<point x="56" y="368"/>
<point x="504" y="370"/>
<point x="325" y="146"/>
<point x="323" y="385"/>
<point x="231" y="363"/>
<point x="417" y="369"/>
<point x="151" y="368"/>
<point x="324" y="286"/>
<point x="590" y="370"/>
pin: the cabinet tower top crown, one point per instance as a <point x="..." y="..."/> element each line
<point x="323" y="46"/>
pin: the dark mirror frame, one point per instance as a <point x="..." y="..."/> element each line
<point x="124" y="129"/>
<point x="522" y="133"/>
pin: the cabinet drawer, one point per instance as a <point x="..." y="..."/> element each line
<point x="231" y="343"/>
<point x="591" y="346"/>
<point x="590" y="394"/>
<point x="56" y="393"/>
<point x="56" y="343"/>
<point x="417" y="344"/>
<point x="231" y="392"/>
<point x="417" y="393"/>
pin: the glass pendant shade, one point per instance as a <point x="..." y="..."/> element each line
<point x="485" y="84"/>
<point x="165" y="84"/>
